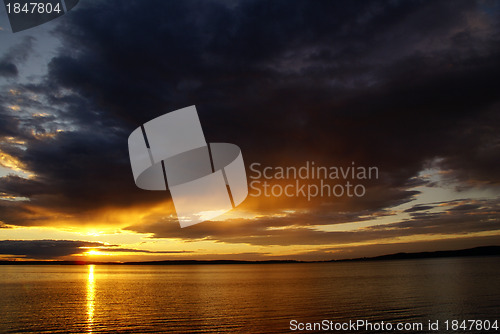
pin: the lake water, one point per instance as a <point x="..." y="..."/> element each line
<point x="245" y="298"/>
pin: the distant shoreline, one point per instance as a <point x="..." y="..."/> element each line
<point x="470" y="252"/>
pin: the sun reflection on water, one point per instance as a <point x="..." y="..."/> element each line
<point x="90" y="298"/>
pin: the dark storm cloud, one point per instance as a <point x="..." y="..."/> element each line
<point x="50" y="249"/>
<point x="346" y="79"/>
<point x="8" y="124"/>
<point x="7" y="69"/>
<point x="44" y="249"/>
<point x="387" y="84"/>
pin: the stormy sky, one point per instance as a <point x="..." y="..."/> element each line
<point x="410" y="87"/>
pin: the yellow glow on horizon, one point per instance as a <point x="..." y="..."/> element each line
<point x="95" y="252"/>
<point x="99" y="223"/>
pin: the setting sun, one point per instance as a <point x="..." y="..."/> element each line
<point x="95" y="252"/>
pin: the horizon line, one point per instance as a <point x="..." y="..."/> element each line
<point x="493" y="250"/>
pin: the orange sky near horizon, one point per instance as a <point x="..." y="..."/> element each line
<point x="403" y="89"/>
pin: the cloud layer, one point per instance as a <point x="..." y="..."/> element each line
<point x="53" y="249"/>
<point x="398" y="85"/>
